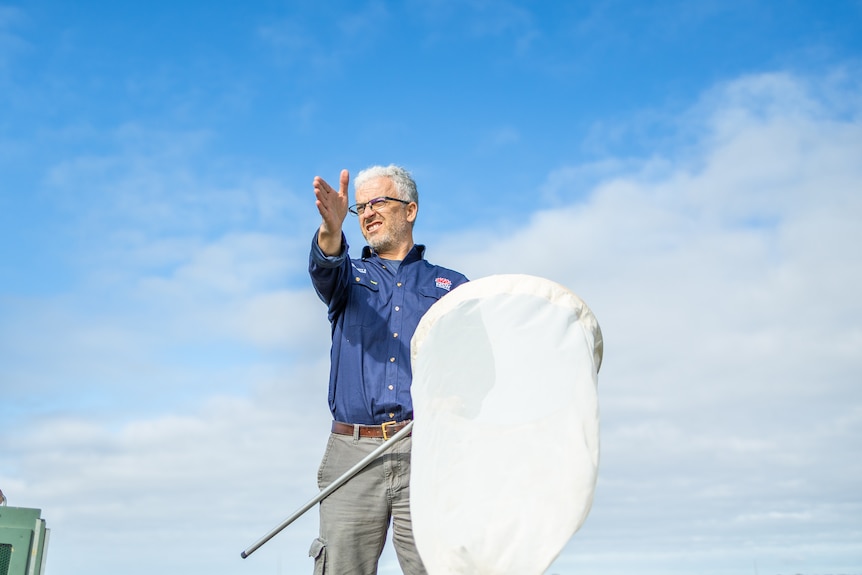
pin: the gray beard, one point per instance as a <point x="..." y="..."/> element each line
<point x="391" y="239"/>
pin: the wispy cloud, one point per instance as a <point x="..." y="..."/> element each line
<point x="501" y="23"/>
<point x="176" y="271"/>
<point x="10" y="42"/>
<point x="498" y="138"/>
<point x="322" y="46"/>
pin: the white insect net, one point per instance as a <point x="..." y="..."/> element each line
<point x="506" y="433"/>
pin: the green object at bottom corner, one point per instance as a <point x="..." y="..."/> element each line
<point x="23" y="541"/>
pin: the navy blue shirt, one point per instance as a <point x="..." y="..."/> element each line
<point x="374" y="310"/>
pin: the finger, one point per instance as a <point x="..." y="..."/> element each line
<point x="344" y="180"/>
<point x="320" y="185"/>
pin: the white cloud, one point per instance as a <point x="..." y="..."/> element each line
<point x="173" y="489"/>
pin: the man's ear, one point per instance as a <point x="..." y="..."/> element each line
<point x="412" y="212"/>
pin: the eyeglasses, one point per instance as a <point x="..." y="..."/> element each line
<point x="375" y="205"/>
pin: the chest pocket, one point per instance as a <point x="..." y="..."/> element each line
<point x="427" y="297"/>
<point x="365" y="304"/>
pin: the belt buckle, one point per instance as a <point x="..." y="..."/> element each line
<point x="383" y="428"/>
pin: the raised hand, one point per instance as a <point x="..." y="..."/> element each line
<point x="332" y="206"/>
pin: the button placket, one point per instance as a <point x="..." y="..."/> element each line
<point x="395" y="321"/>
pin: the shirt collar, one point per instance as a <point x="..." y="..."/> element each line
<point x="417" y="252"/>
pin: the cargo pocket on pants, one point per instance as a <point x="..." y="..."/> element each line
<point x="318" y="553"/>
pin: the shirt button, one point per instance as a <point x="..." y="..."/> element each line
<point x="391" y="360"/>
<point x="397" y="308"/>
<point x="391" y="387"/>
<point x="395" y="334"/>
<point x="391" y="415"/>
<point x="359" y="280"/>
<point x="398" y="284"/>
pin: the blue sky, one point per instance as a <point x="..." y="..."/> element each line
<point x="692" y="170"/>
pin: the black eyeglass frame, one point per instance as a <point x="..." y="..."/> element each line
<point x="357" y="209"/>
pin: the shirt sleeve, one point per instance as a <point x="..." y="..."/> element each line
<point x="328" y="275"/>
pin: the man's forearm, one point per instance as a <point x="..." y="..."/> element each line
<point x="329" y="242"/>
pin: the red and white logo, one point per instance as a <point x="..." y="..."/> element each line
<point x="444" y="283"/>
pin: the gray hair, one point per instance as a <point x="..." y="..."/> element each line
<point x="402" y="179"/>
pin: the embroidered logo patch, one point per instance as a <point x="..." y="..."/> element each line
<point x="444" y="283"/>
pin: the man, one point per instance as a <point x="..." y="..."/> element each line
<point x="375" y="303"/>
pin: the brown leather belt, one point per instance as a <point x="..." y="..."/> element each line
<point x="384" y="430"/>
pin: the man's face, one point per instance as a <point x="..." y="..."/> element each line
<point x="388" y="227"/>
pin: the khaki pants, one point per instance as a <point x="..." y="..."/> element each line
<point x="355" y="518"/>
